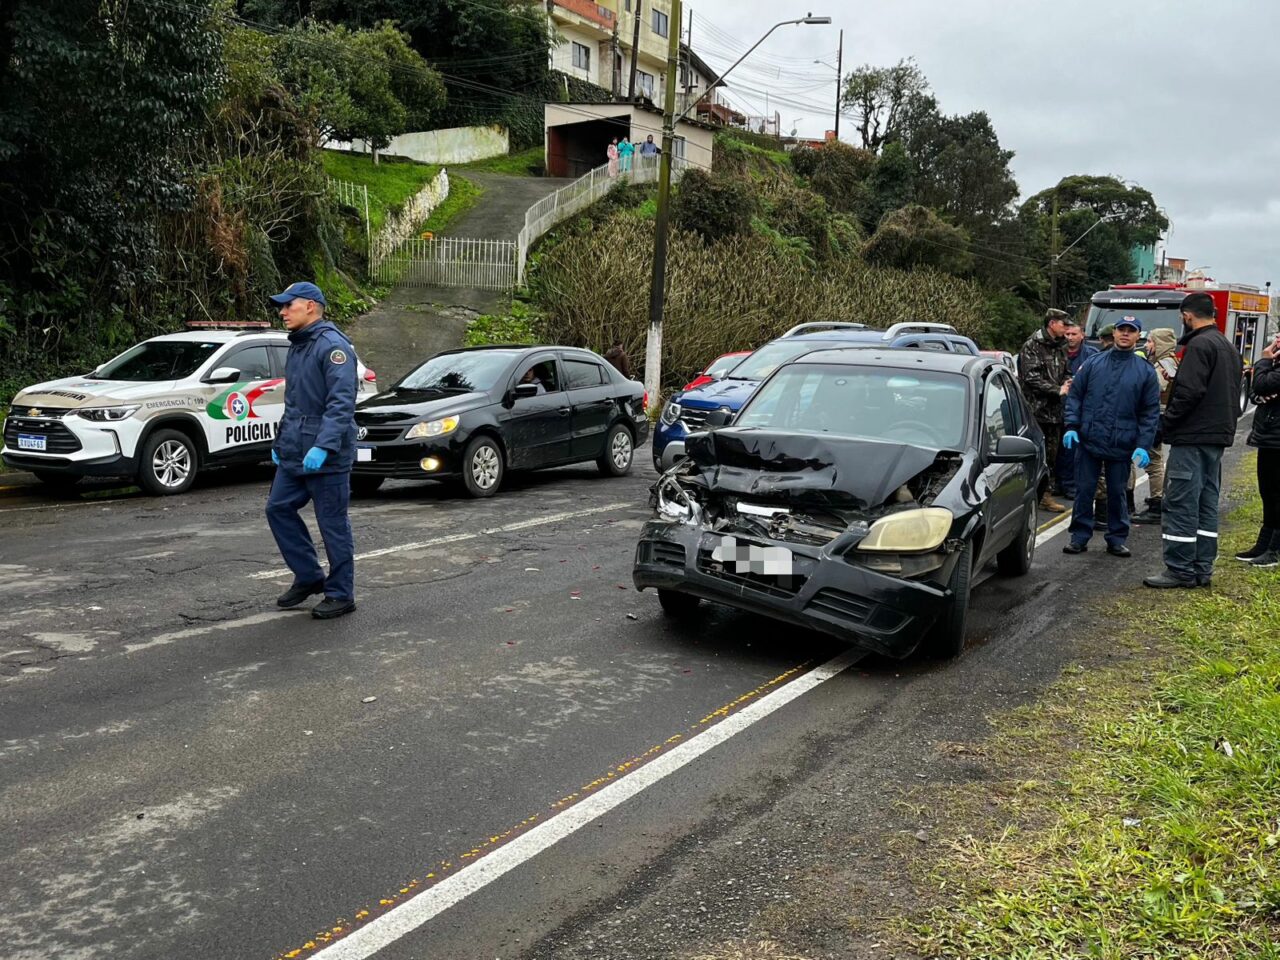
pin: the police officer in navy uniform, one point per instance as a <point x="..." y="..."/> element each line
<point x="313" y="452"/>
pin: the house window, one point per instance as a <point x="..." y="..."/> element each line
<point x="581" y="56"/>
<point x="646" y="83"/>
<point x="628" y="2"/>
<point x="660" y="23"/>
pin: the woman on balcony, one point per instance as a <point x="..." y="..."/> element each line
<point x="612" y="153"/>
<point x="625" y="150"/>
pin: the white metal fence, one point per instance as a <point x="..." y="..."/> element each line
<point x="449" y="262"/>
<point x="356" y="196"/>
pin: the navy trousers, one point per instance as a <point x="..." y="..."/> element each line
<point x="331" y="493"/>
<point x="1189" y="520"/>
<point x="1088" y="468"/>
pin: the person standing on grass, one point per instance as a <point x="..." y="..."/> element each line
<point x="1265" y="435"/>
<point x="612" y="153"/>
<point x="1199" y="424"/>
<point x="1042" y="369"/>
<point x="1112" y="412"/>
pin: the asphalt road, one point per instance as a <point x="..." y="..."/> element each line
<point x="186" y="771"/>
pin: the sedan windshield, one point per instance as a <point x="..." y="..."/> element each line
<point x="919" y="407"/>
<point x="477" y="371"/>
<point x="1168" y="316"/>
<point x="773" y="355"/>
<point x="157" y="360"/>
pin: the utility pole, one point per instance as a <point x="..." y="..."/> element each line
<point x="635" y="53"/>
<point x="1053" y="253"/>
<point x="615" y="72"/>
<point x="839" y="80"/>
<point x="658" y="279"/>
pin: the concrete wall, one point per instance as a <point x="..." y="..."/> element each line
<point x="453" y="145"/>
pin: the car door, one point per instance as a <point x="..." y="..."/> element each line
<point x="537" y="430"/>
<point x="1005" y="482"/>
<point x="591" y="396"/>
<point x="242" y="416"/>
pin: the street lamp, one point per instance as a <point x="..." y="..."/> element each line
<point x="1057" y="255"/>
<point x="658" y="279"/>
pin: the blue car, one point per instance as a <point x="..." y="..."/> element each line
<point x="687" y="412"/>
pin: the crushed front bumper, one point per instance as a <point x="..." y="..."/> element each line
<point x="886" y="614"/>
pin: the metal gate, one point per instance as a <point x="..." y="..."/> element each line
<point x="448" y="262"/>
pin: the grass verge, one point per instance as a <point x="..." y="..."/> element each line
<point x="390" y="182"/>
<point x="1137" y="814"/>
<point x="463" y="195"/>
<point x="525" y="163"/>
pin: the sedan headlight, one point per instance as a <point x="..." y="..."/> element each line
<point x="432" y="428"/>
<point x="107" y="414"/>
<point x="671" y="413"/>
<point x="909" y="531"/>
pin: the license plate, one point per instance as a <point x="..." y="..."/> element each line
<point x="751" y="558"/>
<point x="364" y="454"/>
<point x="27" y="441"/>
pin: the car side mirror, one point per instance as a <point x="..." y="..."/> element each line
<point x="718" y="418"/>
<point x="523" y="390"/>
<point x="223" y="375"/>
<point x="1011" y="449"/>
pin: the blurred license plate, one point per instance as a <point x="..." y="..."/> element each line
<point x="28" y="442"/>
<point x="364" y="454"/>
<point x="751" y="558"/>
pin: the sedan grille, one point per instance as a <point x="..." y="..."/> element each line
<point x="773" y="585"/>
<point x="841" y="606"/>
<point x="375" y="434"/>
<point x="693" y="419"/>
<point x="58" y="439"/>
<point x="666" y="554"/>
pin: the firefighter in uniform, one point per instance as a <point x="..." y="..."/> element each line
<point x="313" y="452"/>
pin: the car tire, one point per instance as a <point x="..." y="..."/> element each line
<point x="167" y="463"/>
<point x="619" y="452"/>
<point x="55" y="480"/>
<point x="678" y="605"/>
<point x="365" y="486"/>
<point x="1015" y="559"/>
<point x="482" y="467"/>
<point x="946" y="640"/>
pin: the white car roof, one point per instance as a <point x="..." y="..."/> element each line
<point x="220" y="336"/>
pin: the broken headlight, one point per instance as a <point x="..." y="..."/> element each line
<point x="675" y="503"/>
<point x="910" y="531"/>
<point x="671" y="413"/>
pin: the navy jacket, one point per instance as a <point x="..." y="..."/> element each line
<point x="1114" y="404"/>
<point x="1074" y="364"/>
<point x="319" y="399"/>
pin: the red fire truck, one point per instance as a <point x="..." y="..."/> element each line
<point x="1243" y="312"/>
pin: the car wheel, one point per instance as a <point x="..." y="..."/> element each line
<point x="946" y="639"/>
<point x="55" y="480"/>
<point x="619" y="452"/>
<point x="168" y="463"/>
<point x="365" y="486"/>
<point x="677" y="605"/>
<point x="1015" y="559"/>
<point x="482" y="467"/>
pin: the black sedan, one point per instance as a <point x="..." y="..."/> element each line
<point x="474" y="414"/>
<point x="856" y="493"/>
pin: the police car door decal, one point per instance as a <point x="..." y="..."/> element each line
<point x="246" y="413"/>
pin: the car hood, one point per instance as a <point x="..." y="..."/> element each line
<point x="786" y="467"/>
<point x="72" y="393"/>
<point x="720" y="393"/>
<point x="398" y="404"/>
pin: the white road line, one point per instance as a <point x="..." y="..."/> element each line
<point x="252" y="620"/>
<point x="456" y="537"/>
<point x="399" y="921"/>
<point x="59" y="506"/>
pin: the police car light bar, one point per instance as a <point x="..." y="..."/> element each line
<point x="228" y="325"/>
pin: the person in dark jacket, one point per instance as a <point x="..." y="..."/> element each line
<point x="1078" y="351"/>
<point x="617" y="356"/>
<point x="1042" y="370"/>
<point x="313" y="451"/>
<point x="1265" y="435"/>
<point x="1198" y="424"/>
<point x="1112" y="412"/>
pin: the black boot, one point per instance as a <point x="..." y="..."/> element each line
<point x="1259" y="548"/>
<point x="1151" y="515"/>
<point x="1271" y="557"/>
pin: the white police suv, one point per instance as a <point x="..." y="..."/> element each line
<point x="159" y="412"/>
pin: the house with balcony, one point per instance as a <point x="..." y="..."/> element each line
<point x="598" y="43"/>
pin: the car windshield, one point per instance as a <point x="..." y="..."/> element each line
<point x="721" y="367"/>
<point x="1168" y="316"/>
<point x="157" y="360"/>
<point x="773" y="355"/>
<point x="476" y="371"/>
<point x="920" y="407"/>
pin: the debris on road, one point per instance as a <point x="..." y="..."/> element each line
<point x="368" y="699"/>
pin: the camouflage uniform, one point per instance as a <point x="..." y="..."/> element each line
<point x="1042" y="370"/>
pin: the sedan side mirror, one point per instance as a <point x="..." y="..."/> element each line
<point x="523" y="390"/>
<point x="1012" y="449"/>
<point x="718" y="418"/>
<point x="223" y="375"/>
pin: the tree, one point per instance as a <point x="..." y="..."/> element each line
<point x="889" y="186"/>
<point x="880" y="97"/>
<point x="714" y="207"/>
<point x="915" y="237"/>
<point x="959" y="167"/>
<point x="837" y="172"/>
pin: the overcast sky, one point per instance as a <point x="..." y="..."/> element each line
<point x="1180" y="96"/>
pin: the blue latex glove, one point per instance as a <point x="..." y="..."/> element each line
<point x="275" y="458"/>
<point x="1070" y="439"/>
<point x="314" y="459"/>
<point x="1142" y="458"/>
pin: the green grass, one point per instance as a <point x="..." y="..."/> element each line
<point x="1151" y="838"/>
<point x="390" y="183"/>
<point x="463" y="195"/>
<point x="526" y="163"/>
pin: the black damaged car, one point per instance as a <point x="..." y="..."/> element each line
<point x="856" y="493"/>
<point x="474" y="414"/>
